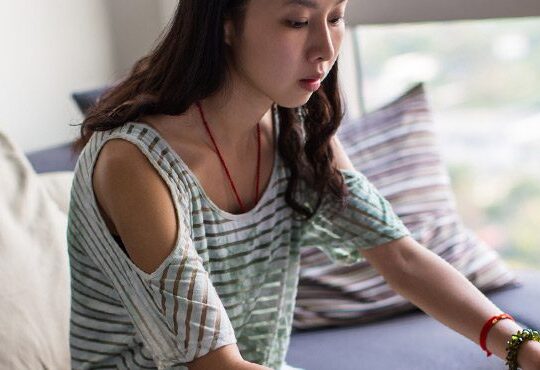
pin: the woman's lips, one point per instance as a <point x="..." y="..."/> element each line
<point x="310" y="84"/>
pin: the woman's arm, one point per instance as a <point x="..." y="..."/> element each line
<point x="225" y="358"/>
<point x="139" y="203"/>
<point x="438" y="289"/>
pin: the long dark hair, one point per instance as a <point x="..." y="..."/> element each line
<point x="189" y="63"/>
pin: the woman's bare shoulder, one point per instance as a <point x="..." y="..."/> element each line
<point x="137" y="201"/>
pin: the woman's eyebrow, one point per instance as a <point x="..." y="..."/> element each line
<point x="307" y="3"/>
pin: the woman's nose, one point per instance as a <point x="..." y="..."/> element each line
<point x="322" y="44"/>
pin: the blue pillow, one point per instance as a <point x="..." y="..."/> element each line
<point x="86" y="99"/>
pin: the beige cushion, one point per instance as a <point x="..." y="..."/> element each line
<point x="58" y="185"/>
<point x="34" y="277"/>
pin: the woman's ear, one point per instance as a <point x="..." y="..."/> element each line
<point x="228" y="31"/>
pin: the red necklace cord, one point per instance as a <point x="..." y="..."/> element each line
<point x="223" y="162"/>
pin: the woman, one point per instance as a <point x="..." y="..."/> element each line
<point x="202" y="175"/>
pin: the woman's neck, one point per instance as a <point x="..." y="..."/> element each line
<point x="233" y="115"/>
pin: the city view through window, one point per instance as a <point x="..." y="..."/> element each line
<point x="482" y="78"/>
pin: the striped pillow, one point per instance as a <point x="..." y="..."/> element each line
<point x="396" y="148"/>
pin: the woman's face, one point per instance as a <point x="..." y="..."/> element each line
<point x="284" y="42"/>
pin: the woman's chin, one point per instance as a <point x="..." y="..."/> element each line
<point x="296" y="102"/>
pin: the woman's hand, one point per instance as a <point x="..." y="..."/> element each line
<point x="529" y="355"/>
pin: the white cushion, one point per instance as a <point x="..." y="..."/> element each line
<point x="34" y="275"/>
<point x="58" y="185"/>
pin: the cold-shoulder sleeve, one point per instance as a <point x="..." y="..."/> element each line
<point x="175" y="310"/>
<point x="367" y="221"/>
<point x="184" y="297"/>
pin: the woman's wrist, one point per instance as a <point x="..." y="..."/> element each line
<point x="499" y="335"/>
<point x="529" y="355"/>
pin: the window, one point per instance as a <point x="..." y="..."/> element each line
<point x="483" y="83"/>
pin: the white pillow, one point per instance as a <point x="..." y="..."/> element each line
<point x="34" y="274"/>
<point x="58" y="185"/>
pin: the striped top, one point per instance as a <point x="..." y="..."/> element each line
<point x="231" y="278"/>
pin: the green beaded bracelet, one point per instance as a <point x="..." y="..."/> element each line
<point x="514" y="343"/>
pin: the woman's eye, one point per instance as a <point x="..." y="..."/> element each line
<point x="295" y="24"/>
<point x="338" y="20"/>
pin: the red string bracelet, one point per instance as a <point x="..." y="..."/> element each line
<point x="487" y="326"/>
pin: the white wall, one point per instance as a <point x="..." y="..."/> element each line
<point x="166" y="9"/>
<point x="49" y="49"/>
<point x="53" y="48"/>
<point x="135" y="25"/>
